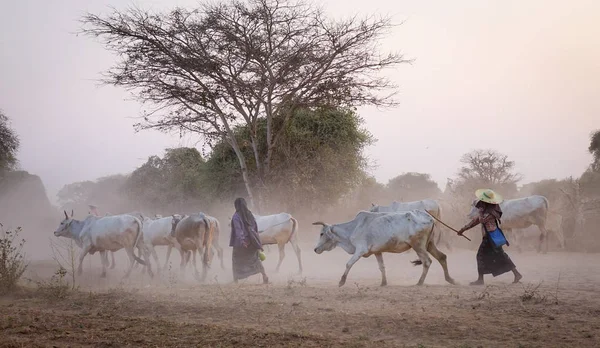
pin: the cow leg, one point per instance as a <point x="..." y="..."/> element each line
<point x="113" y="264"/>
<point x="425" y="260"/>
<point x="442" y="238"/>
<point x="379" y="258"/>
<point x="281" y="256"/>
<point x="196" y="273"/>
<point x="296" y="247"/>
<point x="146" y="256"/>
<point x="560" y="236"/>
<point x="81" y="257"/>
<point x="442" y="259"/>
<point x="543" y="239"/>
<point x="131" y="261"/>
<point x="183" y="259"/>
<point x="154" y="255"/>
<point x="349" y="265"/>
<point x="219" y="254"/>
<point x="135" y="264"/>
<point x="169" y="248"/>
<point x="104" y="263"/>
<point x="514" y="235"/>
<point x="183" y="254"/>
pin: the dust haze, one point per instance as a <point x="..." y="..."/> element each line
<point x="539" y="111"/>
<point x="556" y="304"/>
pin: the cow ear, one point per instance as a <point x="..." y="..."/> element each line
<point x="66" y="215"/>
<point x="333" y="232"/>
<point x="372" y="204"/>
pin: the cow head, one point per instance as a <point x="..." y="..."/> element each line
<point x="64" y="229"/>
<point x="176" y="219"/>
<point x="327" y="239"/>
<point x="374" y="208"/>
<point x="474" y="212"/>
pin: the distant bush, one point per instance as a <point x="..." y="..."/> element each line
<point x="12" y="259"/>
<point x="57" y="287"/>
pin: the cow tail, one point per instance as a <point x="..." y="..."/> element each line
<point x="294" y="229"/>
<point x="137" y="241"/>
<point x="217" y="231"/>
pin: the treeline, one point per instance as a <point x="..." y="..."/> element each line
<point x="318" y="160"/>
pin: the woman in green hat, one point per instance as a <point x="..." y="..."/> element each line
<point x="491" y="258"/>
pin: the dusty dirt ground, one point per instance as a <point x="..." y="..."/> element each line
<point x="557" y="305"/>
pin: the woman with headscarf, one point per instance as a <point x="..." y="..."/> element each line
<point x="490" y="258"/>
<point x="246" y="243"/>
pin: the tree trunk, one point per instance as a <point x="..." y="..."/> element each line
<point x="242" y="160"/>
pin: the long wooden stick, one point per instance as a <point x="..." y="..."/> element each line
<point x="441" y="222"/>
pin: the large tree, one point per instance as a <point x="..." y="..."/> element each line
<point x="240" y="62"/>
<point x="484" y="168"/>
<point x="9" y="144"/>
<point x="488" y="166"/>
<point x="594" y="149"/>
<point x="176" y="178"/>
<point x="320" y="159"/>
<point x="413" y="186"/>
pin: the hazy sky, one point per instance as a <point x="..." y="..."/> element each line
<point x="521" y="77"/>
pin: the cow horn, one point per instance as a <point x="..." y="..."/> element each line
<point x="372" y="204"/>
<point x="319" y="223"/>
<point x="66" y="215"/>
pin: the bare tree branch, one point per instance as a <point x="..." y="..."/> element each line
<point x="231" y="63"/>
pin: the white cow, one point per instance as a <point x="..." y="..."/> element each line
<point x="279" y="229"/>
<point x="109" y="233"/>
<point x="522" y="213"/>
<point x="429" y="205"/>
<point x="376" y="233"/>
<point x="79" y="242"/>
<point x="158" y="232"/>
<point x="94" y="211"/>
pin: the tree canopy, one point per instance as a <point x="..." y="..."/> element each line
<point x="484" y="169"/>
<point x="176" y="178"/>
<point x="9" y="144"/>
<point x="413" y="186"/>
<point x="320" y="158"/>
<point x="594" y="149"/>
<point x="252" y="63"/>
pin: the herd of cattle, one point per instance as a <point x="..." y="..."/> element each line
<point x="394" y="229"/>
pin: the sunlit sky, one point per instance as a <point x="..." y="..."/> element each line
<point x="521" y="77"/>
